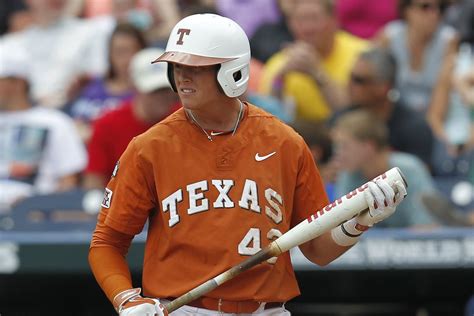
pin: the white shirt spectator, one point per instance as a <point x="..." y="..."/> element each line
<point x="57" y="54"/>
<point x="38" y="147"/>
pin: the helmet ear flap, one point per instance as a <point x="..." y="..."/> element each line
<point x="233" y="77"/>
<point x="170" y="73"/>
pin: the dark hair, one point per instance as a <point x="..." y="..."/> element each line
<point x="404" y="4"/>
<point x="125" y="29"/>
<point x="315" y="134"/>
<point x="384" y="63"/>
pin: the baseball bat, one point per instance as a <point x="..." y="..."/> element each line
<point x="323" y="220"/>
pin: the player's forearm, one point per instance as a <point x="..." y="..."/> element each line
<point x="323" y="250"/>
<point x="110" y="270"/>
<point x="107" y="259"/>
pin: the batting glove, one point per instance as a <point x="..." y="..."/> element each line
<point x="131" y="303"/>
<point x="382" y="200"/>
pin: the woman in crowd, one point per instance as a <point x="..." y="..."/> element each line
<point x="105" y="93"/>
<point x="421" y="44"/>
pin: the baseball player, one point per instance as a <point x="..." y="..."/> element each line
<point x="217" y="181"/>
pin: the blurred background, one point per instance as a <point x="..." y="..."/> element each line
<point x="369" y="84"/>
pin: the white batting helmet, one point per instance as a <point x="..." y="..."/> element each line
<point x="210" y="39"/>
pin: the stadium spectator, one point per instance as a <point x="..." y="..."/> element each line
<point x="313" y="70"/>
<point x="63" y="48"/>
<point x="372" y="87"/>
<point x="153" y="101"/>
<point x="364" y="18"/>
<point x="421" y="44"/>
<point x="451" y="119"/>
<point x="269" y="38"/>
<point x="453" y="104"/>
<point x="40" y="151"/>
<point x="362" y="152"/>
<point x="106" y="93"/>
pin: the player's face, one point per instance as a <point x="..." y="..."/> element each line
<point x="197" y="86"/>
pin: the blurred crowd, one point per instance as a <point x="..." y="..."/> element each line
<point x="369" y="85"/>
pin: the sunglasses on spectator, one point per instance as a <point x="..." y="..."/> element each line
<point x="426" y="6"/>
<point x="361" y="80"/>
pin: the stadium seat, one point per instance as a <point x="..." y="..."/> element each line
<point x="65" y="211"/>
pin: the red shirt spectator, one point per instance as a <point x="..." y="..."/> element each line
<point x="154" y="100"/>
<point x="112" y="133"/>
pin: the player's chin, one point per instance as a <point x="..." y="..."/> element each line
<point x="188" y="105"/>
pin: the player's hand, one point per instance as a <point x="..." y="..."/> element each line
<point x="382" y="200"/>
<point x="131" y="303"/>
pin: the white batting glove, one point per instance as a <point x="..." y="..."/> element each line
<point x="131" y="303"/>
<point x="382" y="200"/>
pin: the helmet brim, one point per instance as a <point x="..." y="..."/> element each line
<point x="190" y="59"/>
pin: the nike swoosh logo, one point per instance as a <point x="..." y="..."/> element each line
<point x="216" y="133"/>
<point x="261" y="158"/>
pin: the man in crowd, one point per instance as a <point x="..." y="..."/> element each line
<point x="362" y="151"/>
<point x="313" y="71"/>
<point x="40" y="149"/>
<point x="372" y="88"/>
<point x="65" y="48"/>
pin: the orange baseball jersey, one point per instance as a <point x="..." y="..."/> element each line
<point x="211" y="204"/>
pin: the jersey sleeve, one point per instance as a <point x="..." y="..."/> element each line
<point x="130" y="195"/>
<point x="310" y="194"/>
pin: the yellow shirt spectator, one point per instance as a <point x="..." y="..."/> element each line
<point x="302" y="89"/>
